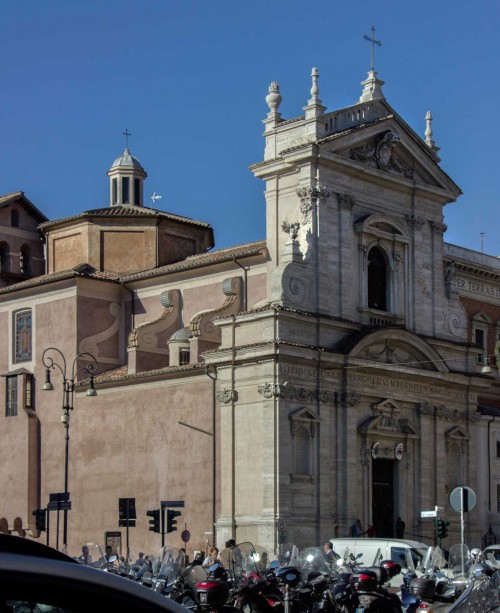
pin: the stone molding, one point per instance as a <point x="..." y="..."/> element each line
<point x="304" y="394"/>
<point x="446" y="413"/>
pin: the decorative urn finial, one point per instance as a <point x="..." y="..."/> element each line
<point x="273" y="98"/>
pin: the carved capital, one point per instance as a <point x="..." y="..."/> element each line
<point x="414" y="221"/>
<point x="346" y="201"/>
<point x="439" y="227"/>
<point x="309" y="197"/>
<point x="226" y="395"/>
<point x="291" y="228"/>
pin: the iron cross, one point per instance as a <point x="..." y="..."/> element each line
<point x="126" y="134"/>
<point x="373" y="42"/>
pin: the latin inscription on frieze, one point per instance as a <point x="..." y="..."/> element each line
<point x="387" y="383"/>
<point x="480" y="289"/>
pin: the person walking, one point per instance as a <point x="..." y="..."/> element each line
<point x="356" y="529"/>
<point x="400" y="528"/>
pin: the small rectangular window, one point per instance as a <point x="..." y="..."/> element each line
<point x="498" y="498"/>
<point x="479" y="337"/>
<point x="11" y="409"/>
<point x="115" y="191"/>
<point x="28" y="392"/>
<point x="498" y="449"/>
<point x="126" y="190"/>
<point x="184" y="357"/>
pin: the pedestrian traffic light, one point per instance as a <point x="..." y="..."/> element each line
<point x="171" y="521"/>
<point x="154" y="523"/>
<point x="40" y="519"/>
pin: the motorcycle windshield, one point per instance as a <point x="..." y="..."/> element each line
<point x="313" y="559"/>
<point x="241" y="561"/>
<point x="457" y="560"/>
<point x="172" y="562"/>
<point x="288" y="554"/>
<point x="433" y="560"/>
<point x="410" y="565"/>
<point x="91" y="554"/>
<point x="193" y="575"/>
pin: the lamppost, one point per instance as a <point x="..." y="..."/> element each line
<point x="68" y="391"/>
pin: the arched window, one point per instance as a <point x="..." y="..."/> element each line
<point x="14" y="218"/>
<point x="377" y="279"/>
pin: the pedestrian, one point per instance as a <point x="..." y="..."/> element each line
<point x="213" y="556"/>
<point x="85" y="558"/>
<point x="400" y="528"/>
<point x="371" y="532"/>
<point x="140" y="560"/>
<point x="356" y="529"/>
<point x="329" y="553"/>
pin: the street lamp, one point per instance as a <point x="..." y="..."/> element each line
<point x="68" y="391"/>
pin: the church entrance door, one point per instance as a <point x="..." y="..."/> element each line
<point x="383" y="497"/>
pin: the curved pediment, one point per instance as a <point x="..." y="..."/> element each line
<point x="396" y="346"/>
<point x="380" y="222"/>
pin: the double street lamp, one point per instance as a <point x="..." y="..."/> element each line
<point x="68" y="391"/>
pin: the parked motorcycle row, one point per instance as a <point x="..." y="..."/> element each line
<point x="246" y="580"/>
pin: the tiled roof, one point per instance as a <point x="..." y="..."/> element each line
<point x="125" y="211"/>
<point x="13" y="196"/>
<point x="58" y="276"/>
<point x="194" y="261"/>
<point x="121" y="374"/>
<point x="204" y="259"/>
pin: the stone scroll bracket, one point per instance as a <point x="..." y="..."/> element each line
<point x="148" y="343"/>
<point x="204" y="333"/>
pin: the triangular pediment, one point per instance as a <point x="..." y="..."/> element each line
<point x="388" y="145"/>
<point x="456" y="433"/>
<point x="386" y="423"/>
<point x="304" y="414"/>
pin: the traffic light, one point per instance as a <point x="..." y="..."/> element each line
<point x="154" y="524"/>
<point x="171" y="521"/>
<point x="40" y="519"/>
<point x="442" y="528"/>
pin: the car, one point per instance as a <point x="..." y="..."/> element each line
<point x="45" y="579"/>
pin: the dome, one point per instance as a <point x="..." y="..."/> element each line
<point x="127" y="160"/>
<point x="181" y="335"/>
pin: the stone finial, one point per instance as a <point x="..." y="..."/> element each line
<point x="428" y="130"/>
<point x="314" y="88"/>
<point x="428" y="133"/>
<point x="273" y="98"/>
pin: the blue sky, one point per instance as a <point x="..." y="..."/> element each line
<point x="188" y="79"/>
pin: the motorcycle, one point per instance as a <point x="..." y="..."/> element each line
<point x="482" y="595"/>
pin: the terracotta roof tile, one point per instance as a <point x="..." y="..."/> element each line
<point x="204" y="259"/>
<point x="125" y="211"/>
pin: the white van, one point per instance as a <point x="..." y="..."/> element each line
<point x="374" y="550"/>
